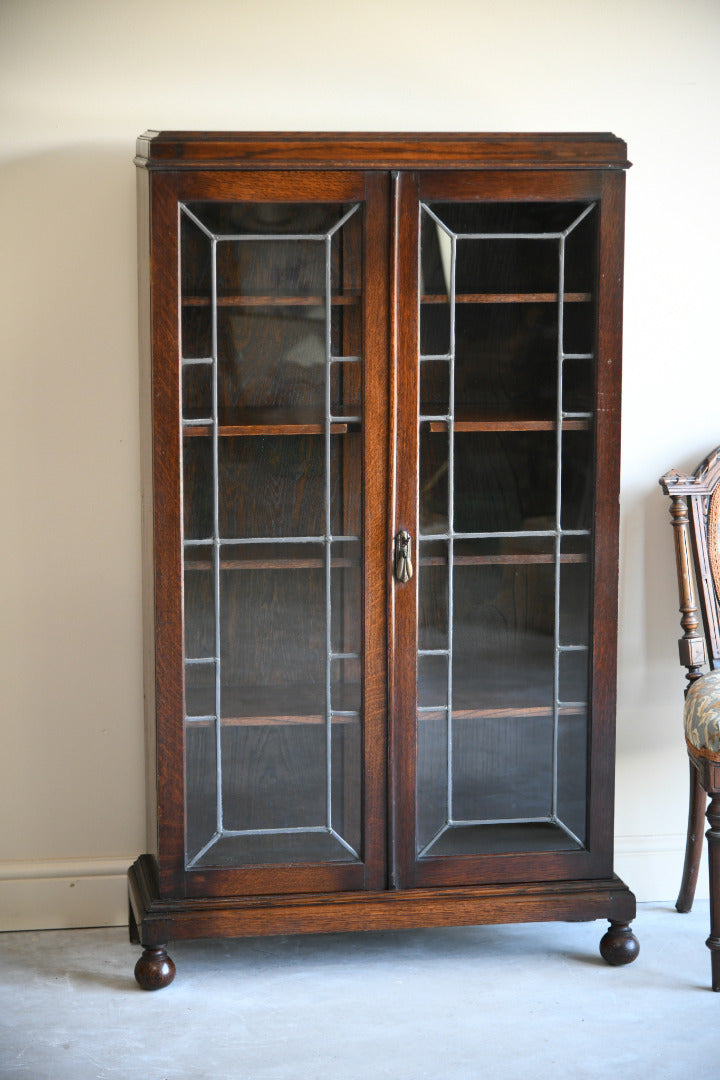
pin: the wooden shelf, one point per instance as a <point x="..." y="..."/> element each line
<point x="275" y="421"/>
<point x="503" y="712"/>
<point x="274" y="719"/>
<point x="301" y="563"/>
<point x="281" y="717"/>
<point x="245" y="300"/>
<point x="350" y="299"/>
<point x="256" y="706"/>
<point x="474" y="418"/>
<point x="507" y="298"/>
<point x="308" y="421"/>
<point x="486" y="686"/>
<point x="291" y="705"/>
<point x="501" y="560"/>
<point x="339" y="563"/>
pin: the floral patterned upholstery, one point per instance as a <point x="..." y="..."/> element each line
<point x="702" y="715"/>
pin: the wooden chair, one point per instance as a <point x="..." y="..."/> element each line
<point x="695" y="513"/>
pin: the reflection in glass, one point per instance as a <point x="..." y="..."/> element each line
<point x="436" y="287"/>
<point x="506" y="266"/>
<point x="503" y="631"/>
<point x="502" y="767"/>
<point x="572" y="751"/>
<point x="433" y="480"/>
<point x="578" y="376"/>
<point x="198" y="471"/>
<point x="577" y="480"/>
<point x="346" y="593"/>
<point x="200" y="785"/>
<point x="346" y="750"/>
<point x="432" y="774"/>
<point x="200" y="688"/>
<point x="506" y="359"/>
<point x="282" y="480"/>
<point x="273" y="774"/>
<point x="573" y="675"/>
<point x="434" y="388"/>
<point x="433" y="596"/>
<point x="285" y="607"/>
<point x="505" y="481"/>
<point x="199" y="604"/>
<point x="432" y="681"/>
<point x="197" y="390"/>
<point x="196" y="341"/>
<point x="345" y="388"/>
<point x="575" y="585"/>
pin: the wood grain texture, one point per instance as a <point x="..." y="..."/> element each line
<point x="694" y="841"/>
<point x="376" y="374"/>
<point x="405" y="596"/>
<point x="145" y="344"/>
<point x="507" y="298"/>
<point x="162" y="920"/>
<point x="272" y="485"/>
<point x="167" y="538"/>
<point x="338" y="150"/>
<point x="699" y="492"/>
<point x="606" y="511"/>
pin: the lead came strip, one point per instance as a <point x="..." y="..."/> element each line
<point x="558" y="525"/>
<point x="451" y="528"/>
<point x="216" y="539"/>
<point x="328" y="535"/>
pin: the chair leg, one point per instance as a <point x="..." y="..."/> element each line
<point x="713" y="836"/>
<point x="693" y="847"/>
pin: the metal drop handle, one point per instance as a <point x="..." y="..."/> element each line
<point x="403" y="560"/>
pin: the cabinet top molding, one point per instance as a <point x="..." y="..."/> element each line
<point x="171" y="150"/>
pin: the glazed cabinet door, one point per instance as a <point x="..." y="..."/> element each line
<point x="507" y="479"/>
<point x="270" y="477"/>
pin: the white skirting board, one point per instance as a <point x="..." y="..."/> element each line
<point x="54" y="894"/>
<point x="652" y="867"/>
<point x="63" y="894"/>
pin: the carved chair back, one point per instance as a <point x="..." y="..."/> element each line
<point x="695" y="513"/>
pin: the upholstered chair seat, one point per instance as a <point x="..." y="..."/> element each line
<point x="702" y="715"/>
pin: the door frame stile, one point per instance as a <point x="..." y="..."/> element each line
<point x="376" y="481"/>
<point x="403" y="714"/>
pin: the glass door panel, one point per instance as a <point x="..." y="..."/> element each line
<point x="272" y="486"/>
<point x="504" y="572"/>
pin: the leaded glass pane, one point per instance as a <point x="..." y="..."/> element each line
<point x="271" y="408"/>
<point x="505" y="493"/>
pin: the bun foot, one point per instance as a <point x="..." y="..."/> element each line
<point x="619" y="945"/>
<point x="154" y="970"/>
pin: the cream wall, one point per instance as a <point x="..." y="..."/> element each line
<point x="78" y="81"/>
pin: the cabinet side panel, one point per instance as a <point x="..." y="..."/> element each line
<point x="146" y="454"/>
<point x="167" y="533"/>
<point x="607" y="483"/>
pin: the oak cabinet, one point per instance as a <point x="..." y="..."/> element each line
<point x="381" y="417"/>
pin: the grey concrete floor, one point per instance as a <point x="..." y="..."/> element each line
<point x="508" y="1002"/>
